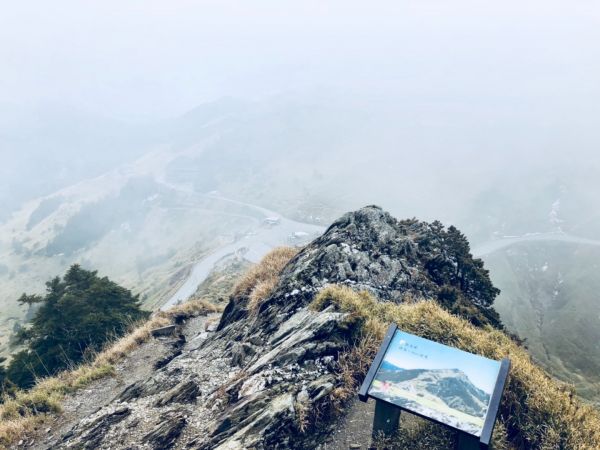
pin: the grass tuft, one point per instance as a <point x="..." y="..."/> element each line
<point x="537" y="411"/>
<point x="261" y="280"/>
<point x="302" y="413"/>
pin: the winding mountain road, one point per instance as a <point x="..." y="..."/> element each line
<point x="256" y="244"/>
<point x="252" y="247"/>
<point x="490" y="247"/>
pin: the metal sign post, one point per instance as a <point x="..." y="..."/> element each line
<point x="411" y="373"/>
<point x="386" y="420"/>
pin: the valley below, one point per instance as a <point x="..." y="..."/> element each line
<point x="225" y="183"/>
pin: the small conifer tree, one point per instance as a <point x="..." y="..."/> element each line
<point x="76" y="317"/>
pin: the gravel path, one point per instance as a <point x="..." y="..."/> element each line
<point x="354" y="428"/>
<point x="138" y="367"/>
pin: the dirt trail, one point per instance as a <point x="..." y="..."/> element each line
<point x="354" y="428"/>
<point x="139" y="365"/>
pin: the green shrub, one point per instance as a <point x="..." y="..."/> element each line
<point x="79" y="314"/>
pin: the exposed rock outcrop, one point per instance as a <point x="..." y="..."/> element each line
<point x="371" y="250"/>
<point x="90" y="434"/>
<point x="253" y="382"/>
<point x="164" y="435"/>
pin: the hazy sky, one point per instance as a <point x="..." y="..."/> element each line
<point x="408" y="351"/>
<point x="153" y="59"/>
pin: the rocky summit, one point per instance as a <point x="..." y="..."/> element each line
<point x="371" y="250"/>
<point x="252" y="380"/>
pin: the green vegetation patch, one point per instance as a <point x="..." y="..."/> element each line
<point x="76" y="317"/>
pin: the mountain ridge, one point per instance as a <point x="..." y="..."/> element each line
<point x="452" y="386"/>
<point x="282" y="366"/>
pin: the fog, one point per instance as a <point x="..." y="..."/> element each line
<point x="475" y="90"/>
<point x="139" y="137"/>
<point x="154" y="59"/>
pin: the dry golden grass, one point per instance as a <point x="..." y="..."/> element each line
<point x="124" y="346"/>
<point x="11" y="430"/>
<point x="25" y="411"/>
<point x="192" y="308"/>
<point x="537" y="411"/>
<point x="261" y="291"/>
<point x="352" y="366"/>
<point x="302" y="412"/>
<point x="260" y="281"/>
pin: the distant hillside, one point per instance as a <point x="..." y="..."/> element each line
<point x="127" y="223"/>
<point x="550" y="298"/>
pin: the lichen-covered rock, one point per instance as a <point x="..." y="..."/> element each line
<point x="370" y="250"/>
<point x="164" y="435"/>
<point x="185" y="392"/>
<point x="89" y="435"/>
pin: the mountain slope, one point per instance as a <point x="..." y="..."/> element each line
<point x="144" y="221"/>
<point x="280" y="371"/>
<point x="550" y="299"/>
<point x="395" y="260"/>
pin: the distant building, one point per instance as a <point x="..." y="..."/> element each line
<point x="299" y="234"/>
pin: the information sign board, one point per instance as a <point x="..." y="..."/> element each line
<point x="455" y="388"/>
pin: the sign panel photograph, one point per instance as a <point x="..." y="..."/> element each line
<point x="444" y="384"/>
